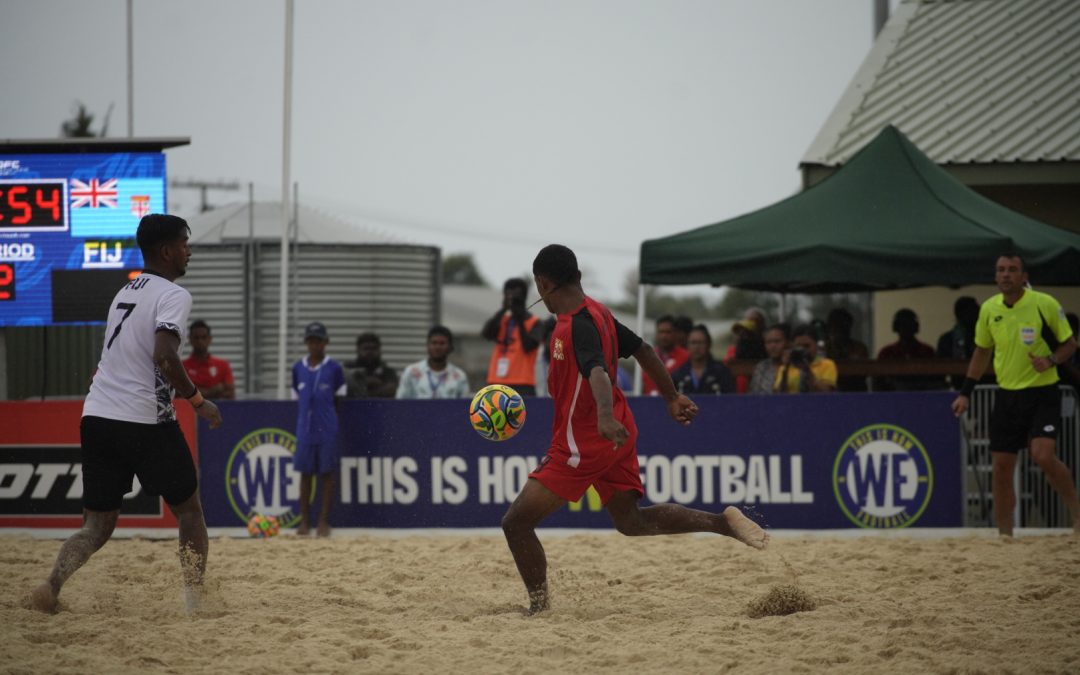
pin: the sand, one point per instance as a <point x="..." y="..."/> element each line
<point x="422" y="604"/>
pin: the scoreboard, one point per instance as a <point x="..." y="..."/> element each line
<point x="67" y="231"/>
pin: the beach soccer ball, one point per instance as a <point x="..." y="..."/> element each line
<point x="263" y="526"/>
<point x="497" y="412"/>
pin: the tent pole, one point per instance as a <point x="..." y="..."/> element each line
<point x="283" y="298"/>
<point x="640" y="331"/>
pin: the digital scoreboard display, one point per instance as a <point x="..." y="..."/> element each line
<point x="67" y="232"/>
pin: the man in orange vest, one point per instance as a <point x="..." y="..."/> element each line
<point x="517" y="335"/>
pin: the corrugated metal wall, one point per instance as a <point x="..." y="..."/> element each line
<point x="392" y="290"/>
<point x="54" y="361"/>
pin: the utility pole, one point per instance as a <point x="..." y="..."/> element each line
<point x="203" y="186"/>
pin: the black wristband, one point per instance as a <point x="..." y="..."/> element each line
<point x="968" y="386"/>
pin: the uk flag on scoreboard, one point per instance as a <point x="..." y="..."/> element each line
<point x="94" y="194"/>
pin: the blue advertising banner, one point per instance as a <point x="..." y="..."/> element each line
<point x="795" y="462"/>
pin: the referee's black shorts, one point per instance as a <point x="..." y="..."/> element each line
<point x="114" y="451"/>
<point x="1022" y="414"/>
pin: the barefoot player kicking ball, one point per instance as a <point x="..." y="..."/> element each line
<point x="129" y="425"/>
<point x="594" y="435"/>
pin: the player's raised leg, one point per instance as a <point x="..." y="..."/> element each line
<point x="533" y="504"/>
<point x="634" y="521"/>
<point x="97" y="527"/>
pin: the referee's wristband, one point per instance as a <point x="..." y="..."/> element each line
<point x="968" y="387"/>
<point x="196" y="399"/>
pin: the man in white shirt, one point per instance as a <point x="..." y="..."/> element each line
<point x="129" y="425"/>
<point x="435" y="376"/>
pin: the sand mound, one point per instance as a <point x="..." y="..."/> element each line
<point x="780" y="601"/>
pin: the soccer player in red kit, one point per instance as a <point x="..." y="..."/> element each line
<point x="594" y="435"/>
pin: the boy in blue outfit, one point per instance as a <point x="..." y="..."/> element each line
<point x="318" y="385"/>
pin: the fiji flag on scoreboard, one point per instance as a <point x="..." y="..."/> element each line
<point x="112" y="207"/>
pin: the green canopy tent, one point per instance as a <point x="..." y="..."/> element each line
<point x="890" y="218"/>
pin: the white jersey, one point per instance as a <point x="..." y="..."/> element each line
<point x="128" y="385"/>
<point x="418" y="380"/>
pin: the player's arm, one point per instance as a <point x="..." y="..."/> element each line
<point x="681" y="408"/>
<point x="609" y="427"/>
<point x="980" y="361"/>
<point x="167" y="360"/>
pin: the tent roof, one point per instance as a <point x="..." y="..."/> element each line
<point x="889" y="218"/>
<point x="232" y="222"/>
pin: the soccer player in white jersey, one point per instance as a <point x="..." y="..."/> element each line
<point x="129" y="425"/>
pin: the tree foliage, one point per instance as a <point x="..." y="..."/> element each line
<point x="79" y="126"/>
<point x="461" y="269"/>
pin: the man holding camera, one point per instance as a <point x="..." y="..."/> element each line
<point x="517" y="335"/>
<point x="804" y="370"/>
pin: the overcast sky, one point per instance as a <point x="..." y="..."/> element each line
<point x="492" y="127"/>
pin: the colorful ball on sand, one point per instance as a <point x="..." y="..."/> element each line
<point x="497" y="412"/>
<point x="263" y="526"/>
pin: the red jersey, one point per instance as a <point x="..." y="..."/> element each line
<point x="575" y="436"/>
<point x="208" y="373"/>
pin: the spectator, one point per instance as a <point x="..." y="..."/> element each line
<point x="959" y="342"/>
<point x="746" y="345"/>
<point x="370" y="376"/>
<point x="757" y="315"/>
<point x="318" y="385"/>
<point x="702" y="374"/>
<point x="803" y="369"/>
<point x="683" y="326"/>
<point x="517" y="335"/>
<point x="667" y="349"/>
<point x="212" y="376"/>
<point x="435" y="376"/>
<point x="777" y="340"/>
<point x="841" y="347"/>
<point x="906" y="325"/>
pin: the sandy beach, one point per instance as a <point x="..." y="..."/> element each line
<point x="420" y="604"/>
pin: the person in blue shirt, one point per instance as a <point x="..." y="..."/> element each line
<point x="318" y="385"/>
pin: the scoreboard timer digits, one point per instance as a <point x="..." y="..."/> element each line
<point x="37" y="204"/>
<point x="7" y="282"/>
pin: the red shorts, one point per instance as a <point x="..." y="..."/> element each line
<point x="618" y="474"/>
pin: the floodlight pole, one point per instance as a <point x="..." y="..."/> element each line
<point x="283" y="300"/>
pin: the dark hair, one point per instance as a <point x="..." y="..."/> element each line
<point x="366" y="338"/>
<point x="962" y="303"/>
<point x="666" y="318"/>
<point x="441" y="330"/>
<point x="156" y="229"/>
<point x="558" y="263"/>
<point x="842" y="317"/>
<point x="784" y="328"/>
<point x="804" y="329"/>
<point x="702" y="328"/>
<point x="686" y="324"/>
<point x="905" y="314"/>
<point x="516" y="282"/>
<point x="1014" y="254"/>
<point x="198" y="323"/>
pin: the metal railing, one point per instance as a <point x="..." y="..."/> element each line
<point x="1037" y="504"/>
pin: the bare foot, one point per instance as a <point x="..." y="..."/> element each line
<point x="324" y="530"/>
<point x="43" y="599"/>
<point x="746" y="530"/>
<point x="539" y="601"/>
<point x="303" y="530"/>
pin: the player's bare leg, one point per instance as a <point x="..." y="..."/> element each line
<point x="194" y="547"/>
<point x="1043" y="451"/>
<point x="532" y="506"/>
<point x="1004" y="466"/>
<point x="326" y="487"/>
<point x="97" y="527"/>
<point x="634" y="521"/>
<point x="304" y="528"/>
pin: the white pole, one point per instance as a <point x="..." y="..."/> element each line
<point x="283" y="301"/>
<point x="640" y="331"/>
<point x="130" y="72"/>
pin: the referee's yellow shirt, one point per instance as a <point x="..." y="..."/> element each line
<point x="1014" y="332"/>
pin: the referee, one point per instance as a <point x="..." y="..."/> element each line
<point x="1029" y="336"/>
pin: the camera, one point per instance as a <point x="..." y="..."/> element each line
<point x="799" y="357"/>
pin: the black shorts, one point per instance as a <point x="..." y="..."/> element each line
<point x="114" y="451"/>
<point x="1022" y="414"/>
